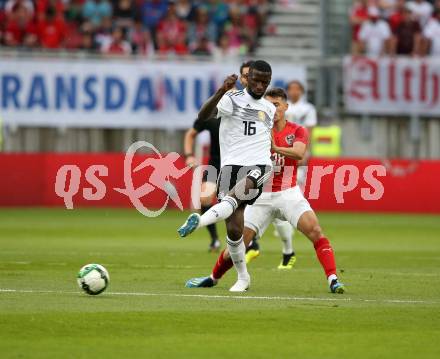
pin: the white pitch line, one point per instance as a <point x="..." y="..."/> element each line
<point x="243" y="297"/>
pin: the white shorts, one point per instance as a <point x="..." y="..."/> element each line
<point x="288" y="205"/>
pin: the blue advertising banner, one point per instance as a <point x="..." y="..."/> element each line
<point x="113" y="94"/>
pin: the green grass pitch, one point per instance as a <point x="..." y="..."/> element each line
<point x="390" y="264"/>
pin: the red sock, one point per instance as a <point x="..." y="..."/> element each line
<point x="324" y="252"/>
<point x="222" y="266"/>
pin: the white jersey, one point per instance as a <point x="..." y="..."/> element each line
<point x="302" y="113"/>
<point x="432" y="32"/>
<point x="421" y="11"/>
<point x="374" y="34"/>
<point x="245" y="129"/>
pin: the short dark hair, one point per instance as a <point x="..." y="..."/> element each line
<point x="245" y="64"/>
<point x="296" y="82"/>
<point x="277" y="92"/>
<point x="261" y="65"/>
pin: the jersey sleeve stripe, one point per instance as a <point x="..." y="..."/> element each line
<point x="264" y="178"/>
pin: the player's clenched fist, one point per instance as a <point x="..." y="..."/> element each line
<point x="229" y="82"/>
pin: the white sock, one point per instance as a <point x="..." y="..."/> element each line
<point x="218" y="212"/>
<point x="237" y="251"/>
<point x="331" y="277"/>
<point x="285" y="231"/>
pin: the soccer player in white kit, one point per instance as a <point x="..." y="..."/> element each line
<point x="282" y="199"/>
<point x="245" y="142"/>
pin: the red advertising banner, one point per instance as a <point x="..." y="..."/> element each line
<point x="359" y="185"/>
<point x="98" y="180"/>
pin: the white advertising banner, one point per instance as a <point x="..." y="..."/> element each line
<point x="114" y="94"/>
<point x="392" y="85"/>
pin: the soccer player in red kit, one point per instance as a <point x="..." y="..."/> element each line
<point x="282" y="198"/>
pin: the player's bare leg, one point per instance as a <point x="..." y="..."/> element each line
<point x="309" y="225"/>
<point x="206" y="199"/>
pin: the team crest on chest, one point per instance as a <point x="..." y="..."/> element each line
<point x="289" y="139"/>
<point x="261" y="115"/>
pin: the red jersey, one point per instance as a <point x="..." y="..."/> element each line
<point x="395" y="20"/>
<point x="51" y="33"/>
<point x="284" y="168"/>
<point x="361" y="12"/>
<point x="16" y="32"/>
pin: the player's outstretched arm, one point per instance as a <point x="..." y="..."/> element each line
<point x="208" y="108"/>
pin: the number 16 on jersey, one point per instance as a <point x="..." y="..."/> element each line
<point x="249" y="128"/>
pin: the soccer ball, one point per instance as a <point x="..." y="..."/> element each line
<point x="93" y="279"/>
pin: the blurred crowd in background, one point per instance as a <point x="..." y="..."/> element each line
<point x="221" y="29"/>
<point x="396" y="27"/>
